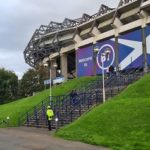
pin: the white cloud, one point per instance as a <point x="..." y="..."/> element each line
<point x="14" y="61"/>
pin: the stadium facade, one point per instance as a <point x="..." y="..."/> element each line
<point x="122" y="34"/>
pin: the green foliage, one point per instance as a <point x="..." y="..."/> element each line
<point x="8" y="85"/>
<point x="16" y="108"/>
<point x="139" y="90"/>
<point x="28" y="83"/>
<point x="121" y="124"/>
<point x="32" y="81"/>
<point x="11" y="88"/>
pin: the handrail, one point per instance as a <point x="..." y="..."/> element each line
<point x="28" y="114"/>
<point x="62" y="105"/>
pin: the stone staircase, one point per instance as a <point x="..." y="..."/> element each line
<point x="87" y="98"/>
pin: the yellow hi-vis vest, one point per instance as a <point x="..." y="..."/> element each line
<point x="49" y="114"/>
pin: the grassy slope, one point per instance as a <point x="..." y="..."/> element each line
<point x="123" y="123"/>
<point x="14" y="109"/>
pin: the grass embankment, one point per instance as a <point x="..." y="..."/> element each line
<point x="121" y="124"/>
<point x="16" y="108"/>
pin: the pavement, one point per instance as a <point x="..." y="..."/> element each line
<point x="28" y="138"/>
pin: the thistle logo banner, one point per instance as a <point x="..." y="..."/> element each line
<point x="105" y="56"/>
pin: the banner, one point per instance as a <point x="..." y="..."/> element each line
<point x="105" y="56"/>
<point x="130" y="52"/>
<point x="85" y="63"/>
<point x="147" y="33"/>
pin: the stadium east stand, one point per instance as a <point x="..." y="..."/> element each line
<point x="118" y="37"/>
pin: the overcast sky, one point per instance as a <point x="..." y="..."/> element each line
<point x="20" y="18"/>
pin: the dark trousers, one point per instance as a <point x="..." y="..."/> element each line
<point x="49" y="125"/>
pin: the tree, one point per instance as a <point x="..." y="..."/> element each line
<point x="32" y="81"/>
<point x="27" y="83"/>
<point x="8" y="85"/>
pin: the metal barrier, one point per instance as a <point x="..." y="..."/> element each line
<point x="66" y="111"/>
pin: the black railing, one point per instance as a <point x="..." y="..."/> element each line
<point x="67" y="109"/>
<point x="56" y="103"/>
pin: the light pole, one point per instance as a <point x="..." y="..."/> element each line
<point x="106" y="54"/>
<point x="56" y="123"/>
<point x="50" y="77"/>
<point x="103" y="58"/>
<point x="50" y="90"/>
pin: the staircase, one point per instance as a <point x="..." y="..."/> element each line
<point x="66" y="111"/>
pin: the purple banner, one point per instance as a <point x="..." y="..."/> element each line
<point x="85" y="63"/>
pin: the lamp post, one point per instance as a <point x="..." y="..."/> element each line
<point x="8" y="118"/>
<point x="56" y="123"/>
<point x="103" y="58"/>
<point x="50" y="77"/>
<point x="50" y="90"/>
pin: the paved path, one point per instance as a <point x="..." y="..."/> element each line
<point x="37" y="139"/>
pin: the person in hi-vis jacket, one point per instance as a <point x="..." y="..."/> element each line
<point x="49" y="114"/>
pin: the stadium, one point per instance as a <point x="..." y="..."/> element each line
<point x="77" y="45"/>
<point x="110" y="111"/>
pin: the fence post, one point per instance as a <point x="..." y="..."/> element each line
<point x="111" y="91"/>
<point x="43" y="111"/>
<point x="71" y="116"/>
<point x="27" y="114"/>
<point x="56" y="123"/>
<point x="88" y="103"/>
<point x="96" y="97"/>
<point x="66" y="111"/>
<point x="36" y="117"/>
<point x="19" y="122"/>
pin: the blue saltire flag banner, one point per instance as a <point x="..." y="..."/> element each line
<point x="147" y="33"/>
<point x="130" y="53"/>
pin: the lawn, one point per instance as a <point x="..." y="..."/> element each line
<point x="122" y="123"/>
<point x="18" y="107"/>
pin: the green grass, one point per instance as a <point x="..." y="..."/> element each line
<point x="16" y="108"/>
<point x="121" y="124"/>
